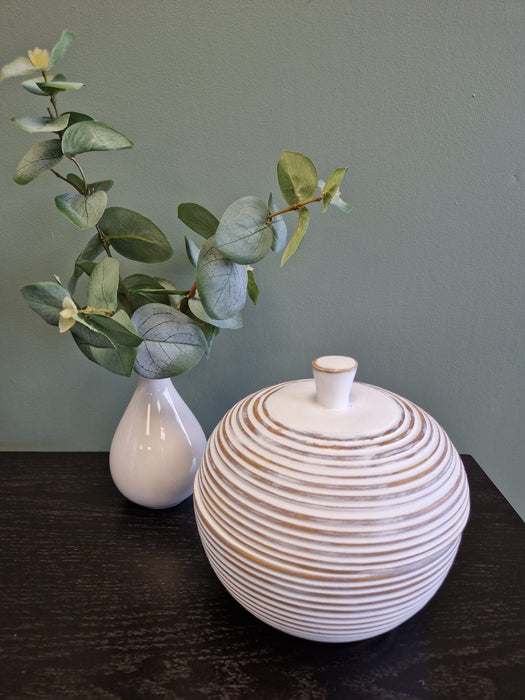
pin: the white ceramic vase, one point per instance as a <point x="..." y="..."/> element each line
<point x="330" y="515"/>
<point x="157" y="446"/>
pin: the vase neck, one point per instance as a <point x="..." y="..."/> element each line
<point x="153" y="385"/>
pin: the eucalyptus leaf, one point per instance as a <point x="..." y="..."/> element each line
<point x="143" y="289"/>
<point x="39" y="158"/>
<point x="92" y="135"/>
<point x="295" y="240"/>
<point x="297" y="177"/>
<point x="198" y="219"/>
<point x="221" y="283"/>
<point x="75" y="117"/>
<point x="59" y="49"/>
<point x="192" y="251"/>
<point x="76" y="180"/>
<point x="330" y="189"/>
<point x="173" y="343"/>
<point x="134" y="236"/>
<point x="34" y="125"/>
<point x="278" y="228"/>
<point x="45" y="298"/>
<point x="90" y="252"/>
<point x="33" y="86"/>
<point x="103" y="285"/>
<point x="145" y="284"/>
<point x="118" y="359"/>
<point x="100" y="185"/>
<point x="52" y="87"/>
<point x="83" y="211"/>
<point x="114" y="328"/>
<point x="197" y="309"/>
<point x="175" y="295"/>
<point x="252" y="287"/>
<point x="113" y="356"/>
<point x="243" y="234"/>
<point x="87" y="266"/>
<point x="17" y="68"/>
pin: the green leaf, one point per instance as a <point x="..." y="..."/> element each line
<point x="297" y="177"/>
<point x="173" y="343"/>
<point x="103" y="285"/>
<point x="92" y="135"/>
<point x="100" y="185"/>
<point x="197" y="309"/>
<point x="45" y="298"/>
<point x="295" y="240"/>
<point x="40" y="157"/>
<point x="278" y="228"/>
<point x="222" y="283"/>
<point x="90" y="252"/>
<point x="134" y="236"/>
<point x="82" y="211"/>
<point x="198" y="219"/>
<point x="253" y="289"/>
<point x="243" y="234"/>
<point x="192" y="251"/>
<point x="51" y="87"/>
<point x="108" y="353"/>
<point x="175" y="295"/>
<point x="59" y="49"/>
<point x="33" y="86"/>
<point x="34" y="125"/>
<point x="75" y="117"/>
<point x="101" y="331"/>
<point x="330" y="189"/>
<point x="143" y="289"/>
<point x="17" y="68"/>
<point x="113" y="328"/>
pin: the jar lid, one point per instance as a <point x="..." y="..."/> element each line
<point x="332" y="405"/>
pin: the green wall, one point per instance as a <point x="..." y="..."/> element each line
<point x="422" y="282"/>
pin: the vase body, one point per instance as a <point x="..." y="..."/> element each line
<point x="157" y="446"/>
<point x="332" y="523"/>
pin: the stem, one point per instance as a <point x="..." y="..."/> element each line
<point x="66" y="180"/>
<point x="52" y="98"/>
<point x="75" y="161"/>
<point x="54" y="103"/>
<point x="293" y="207"/>
<point x="184" y="303"/>
<point x="91" y="310"/>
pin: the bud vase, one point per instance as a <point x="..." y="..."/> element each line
<point x="157" y="447"/>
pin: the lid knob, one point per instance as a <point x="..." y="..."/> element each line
<point x="334" y="375"/>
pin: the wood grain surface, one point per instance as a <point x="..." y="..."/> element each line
<point x="100" y="598"/>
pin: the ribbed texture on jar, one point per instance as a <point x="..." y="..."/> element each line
<point x="330" y="539"/>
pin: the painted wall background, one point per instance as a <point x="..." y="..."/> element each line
<point x="422" y="282"/>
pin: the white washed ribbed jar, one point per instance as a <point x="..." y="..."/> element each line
<point x="330" y="510"/>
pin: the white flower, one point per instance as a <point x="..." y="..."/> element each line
<point x="39" y="58"/>
<point x="336" y="199"/>
<point x="66" y="318"/>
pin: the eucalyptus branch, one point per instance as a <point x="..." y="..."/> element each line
<point x="293" y="207"/>
<point x="141" y="332"/>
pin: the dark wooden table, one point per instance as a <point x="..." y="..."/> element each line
<point x="100" y="598"/>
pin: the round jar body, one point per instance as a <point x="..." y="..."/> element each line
<point x="331" y="525"/>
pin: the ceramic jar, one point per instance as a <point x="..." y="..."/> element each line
<point x="330" y="510"/>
